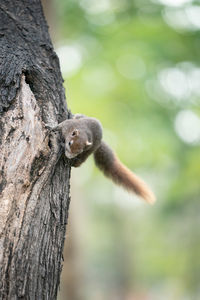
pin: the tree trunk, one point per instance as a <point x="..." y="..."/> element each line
<point x="34" y="175"/>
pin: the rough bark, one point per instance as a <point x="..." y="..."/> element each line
<point x="34" y="176"/>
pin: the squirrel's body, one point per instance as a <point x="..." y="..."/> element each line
<point x="83" y="136"/>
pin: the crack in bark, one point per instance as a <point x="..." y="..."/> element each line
<point x="28" y="168"/>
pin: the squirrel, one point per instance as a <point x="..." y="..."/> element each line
<point x="82" y="136"/>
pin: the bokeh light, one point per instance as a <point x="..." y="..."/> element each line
<point x="70" y="59"/>
<point x="187" y="125"/>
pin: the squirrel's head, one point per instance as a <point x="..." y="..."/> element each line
<point x="76" y="142"/>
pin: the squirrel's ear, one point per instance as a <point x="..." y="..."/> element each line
<point x="88" y="143"/>
<point x="75" y="132"/>
<point x="78" y="116"/>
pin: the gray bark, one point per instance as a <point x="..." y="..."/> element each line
<point x="34" y="175"/>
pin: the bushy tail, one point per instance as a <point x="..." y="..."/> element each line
<point x="107" y="161"/>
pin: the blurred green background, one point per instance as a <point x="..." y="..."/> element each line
<point x="134" y="64"/>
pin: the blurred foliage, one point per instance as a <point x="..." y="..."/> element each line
<point x="134" y="64"/>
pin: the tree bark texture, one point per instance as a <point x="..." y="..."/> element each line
<point x="34" y="175"/>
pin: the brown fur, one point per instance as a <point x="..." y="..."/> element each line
<point x="83" y="136"/>
<point x="107" y="161"/>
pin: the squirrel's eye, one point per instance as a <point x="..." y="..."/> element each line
<point x="70" y="143"/>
